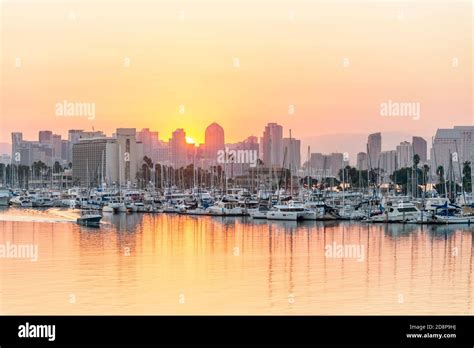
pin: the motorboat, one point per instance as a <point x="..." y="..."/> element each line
<point x="89" y="218"/>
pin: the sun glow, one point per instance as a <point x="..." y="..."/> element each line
<point x="190" y="140"/>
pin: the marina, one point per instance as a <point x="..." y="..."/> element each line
<point x="280" y="205"/>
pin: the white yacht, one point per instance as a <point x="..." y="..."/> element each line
<point x="291" y="212"/>
<point x="402" y="212"/>
<point x="226" y="208"/>
<point x="260" y="212"/>
<point x="114" y="206"/>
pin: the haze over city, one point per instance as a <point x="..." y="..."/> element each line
<point x="319" y="68"/>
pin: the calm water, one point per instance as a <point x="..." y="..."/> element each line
<point x="171" y="264"/>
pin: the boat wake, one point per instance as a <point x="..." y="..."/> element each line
<point x="19" y="218"/>
<point x="51" y="215"/>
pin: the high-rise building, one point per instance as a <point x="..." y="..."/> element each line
<point x="17" y="139"/>
<point x="404" y="155"/>
<point x="214" y="141"/>
<point x="45" y="137"/>
<point x="319" y="165"/>
<point x="362" y="161"/>
<point x="57" y="147"/>
<point x="293" y="153"/>
<point x="388" y="164"/>
<point x="272" y="145"/>
<point x="75" y="134"/>
<point x="336" y="163"/>
<point x="420" y="148"/>
<point x="456" y="143"/>
<point x="150" y="142"/>
<point x="97" y="160"/>
<point x="65" y="151"/>
<point x="249" y="154"/>
<point x="374" y="147"/>
<point x="27" y="152"/>
<point x="466" y="147"/>
<point x="163" y="153"/>
<point x="94" y="161"/>
<point x="178" y="148"/>
<point x="130" y="152"/>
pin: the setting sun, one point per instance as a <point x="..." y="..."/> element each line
<point x="190" y="140"/>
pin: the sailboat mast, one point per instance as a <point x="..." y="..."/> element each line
<point x="290" y="160"/>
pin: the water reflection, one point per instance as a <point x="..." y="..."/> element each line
<point x="173" y="264"/>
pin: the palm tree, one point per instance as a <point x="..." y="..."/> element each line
<point x="440" y="173"/>
<point x="57" y="168"/>
<point x="466" y="180"/>
<point x="146" y="168"/>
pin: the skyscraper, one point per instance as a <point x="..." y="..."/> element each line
<point x="45" y="137"/>
<point x="177" y="146"/>
<point x="27" y="152"/>
<point x="130" y="154"/>
<point x="404" y="154"/>
<point x="214" y="141"/>
<point x="336" y="163"/>
<point x="361" y="161"/>
<point x="293" y="153"/>
<point x="457" y="143"/>
<point x="100" y="159"/>
<point x="272" y="145"/>
<point x="57" y="147"/>
<point x="420" y="148"/>
<point x="65" y="150"/>
<point x="75" y="134"/>
<point x="17" y="139"/>
<point x="320" y="165"/>
<point x="94" y="161"/>
<point x="374" y="147"/>
<point x="388" y="164"/>
<point x="150" y="142"/>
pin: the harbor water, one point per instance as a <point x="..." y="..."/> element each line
<point x="178" y="264"/>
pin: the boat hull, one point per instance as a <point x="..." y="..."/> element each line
<point x="89" y="221"/>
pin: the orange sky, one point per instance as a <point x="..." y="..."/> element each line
<point x="183" y="53"/>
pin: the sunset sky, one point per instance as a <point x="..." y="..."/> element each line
<point x="239" y="63"/>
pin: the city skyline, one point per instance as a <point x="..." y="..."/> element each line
<point x="272" y="148"/>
